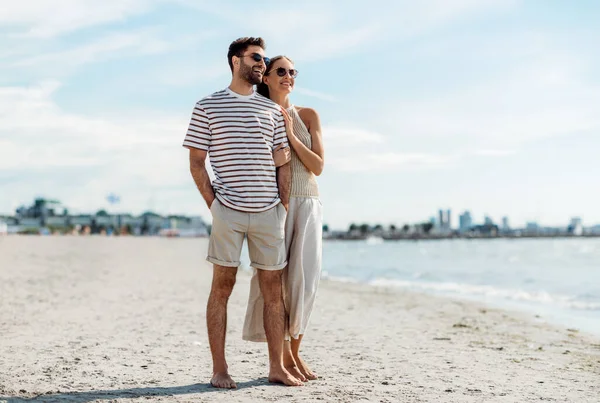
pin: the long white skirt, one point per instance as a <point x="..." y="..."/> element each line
<point x="304" y="245"/>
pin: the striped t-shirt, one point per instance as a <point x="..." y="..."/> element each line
<point x="240" y="133"/>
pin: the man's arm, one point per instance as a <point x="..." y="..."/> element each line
<point x="284" y="180"/>
<point x="284" y="172"/>
<point x="201" y="178"/>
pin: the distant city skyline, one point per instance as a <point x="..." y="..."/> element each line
<point x="489" y="106"/>
<point x="443" y="220"/>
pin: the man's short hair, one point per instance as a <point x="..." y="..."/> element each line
<point x="239" y="46"/>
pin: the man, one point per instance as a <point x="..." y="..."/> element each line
<point x="240" y="129"/>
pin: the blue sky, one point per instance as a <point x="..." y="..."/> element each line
<point x="486" y="105"/>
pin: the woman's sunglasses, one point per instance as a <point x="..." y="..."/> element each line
<point x="281" y="72"/>
<point x="257" y="57"/>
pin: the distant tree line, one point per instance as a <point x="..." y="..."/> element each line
<point x="366" y="229"/>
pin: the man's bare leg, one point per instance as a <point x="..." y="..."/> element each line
<point x="216" y="322"/>
<point x="274" y="315"/>
<point x="295" y="347"/>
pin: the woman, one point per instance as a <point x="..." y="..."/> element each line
<point x="303" y="228"/>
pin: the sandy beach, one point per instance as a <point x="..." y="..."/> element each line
<point x="120" y="319"/>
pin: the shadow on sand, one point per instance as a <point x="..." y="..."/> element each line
<point x="95" y="395"/>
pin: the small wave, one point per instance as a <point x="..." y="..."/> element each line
<point x="374" y="240"/>
<point x="326" y="276"/>
<point x="542" y="297"/>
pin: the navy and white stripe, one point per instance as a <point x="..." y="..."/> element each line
<point x="239" y="133"/>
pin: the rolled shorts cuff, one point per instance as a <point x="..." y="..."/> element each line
<point x="259" y="266"/>
<point x="222" y="262"/>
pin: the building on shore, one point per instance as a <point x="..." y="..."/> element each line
<point x="40" y="218"/>
<point x="532" y="228"/>
<point x="505" y="225"/>
<point x="443" y="225"/>
<point x="594" y="230"/>
<point x="575" y="227"/>
<point x="465" y="222"/>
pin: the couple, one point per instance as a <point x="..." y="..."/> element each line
<point x="266" y="193"/>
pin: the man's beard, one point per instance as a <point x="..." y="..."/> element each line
<point x="247" y="74"/>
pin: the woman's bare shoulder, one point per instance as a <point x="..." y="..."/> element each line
<point x="308" y="115"/>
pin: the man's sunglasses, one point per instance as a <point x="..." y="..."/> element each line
<point x="281" y="72"/>
<point x="257" y="57"/>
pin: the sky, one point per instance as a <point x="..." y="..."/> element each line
<point x="491" y="106"/>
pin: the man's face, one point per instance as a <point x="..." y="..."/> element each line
<point x="252" y="65"/>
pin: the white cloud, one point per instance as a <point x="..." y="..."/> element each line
<point x="32" y="112"/>
<point x="387" y="162"/>
<point x="419" y="17"/>
<point x="302" y="32"/>
<point x="182" y="75"/>
<point x="315" y="94"/>
<point x="319" y="30"/>
<point x="345" y="136"/>
<point x="493" y="153"/>
<point x="113" y="45"/>
<point x="358" y="150"/>
<point x="139" y="151"/>
<point x="323" y="44"/>
<point x="546" y="95"/>
<point x="48" y="18"/>
<point x="116" y="45"/>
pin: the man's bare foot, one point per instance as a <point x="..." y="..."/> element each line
<point x="222" y="380"/>
<point x="281" y="375"/>
<point x="308" y="374"/>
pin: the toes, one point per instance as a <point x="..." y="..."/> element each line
<point x="309" y="374"/>
<point x="223" y="383"/>
<point x="296" y="373"/>
<point x="285" y="379"/>
<point x="296" y="380"/>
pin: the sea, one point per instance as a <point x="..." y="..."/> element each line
<point x="557" y="279"/>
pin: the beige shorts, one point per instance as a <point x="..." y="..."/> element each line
<point x="265" y="232"/>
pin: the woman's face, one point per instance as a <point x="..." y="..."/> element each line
<point x="281" y="77"/>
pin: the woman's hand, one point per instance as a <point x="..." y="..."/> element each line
<point x="289" y="125"/>
<point x="281" y="155"/>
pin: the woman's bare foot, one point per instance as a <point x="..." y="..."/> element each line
<point x="222" y="380"/>
<point x="308" y="374"/>
<point x="295" y="372"/>
<point x="281" y="375"/>
<point x="290" y="364"/>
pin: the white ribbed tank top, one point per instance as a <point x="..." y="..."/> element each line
<point x="304" y="183"/>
